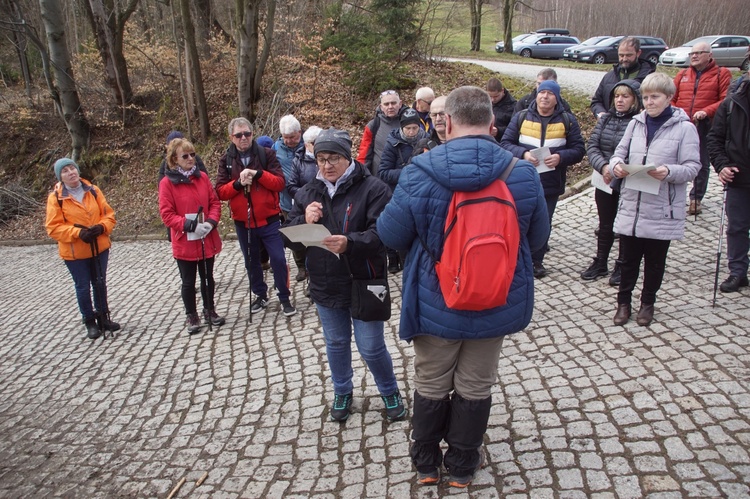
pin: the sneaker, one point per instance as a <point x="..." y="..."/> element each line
<point x="340" y="408"/>
<point x="259" y="304"/>
<point x="597" y="269"/>
<point x="193" y="323"/>
<point x="214" y="318"/>
<point x="394" y="406"/>
<point x="301" y="275"/>
<point x="92" y="330"/>
<point x="733" y="283"/>
<point x="539" y="270"/>
<point x="288" y="308"/>
<point x="462" y="482"/>
<point x="430" y="478"/>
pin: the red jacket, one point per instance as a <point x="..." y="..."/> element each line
<point x="179" y="195"/>
<point x="712" y="89"/>
<point x="64" y="212"/>
<point x="264" y="192"/>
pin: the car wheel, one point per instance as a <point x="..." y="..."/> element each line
<point x="653" y="59"/>
<point x="745" y="65"/>
<point x="599" y="59"/>
<point x="526" y="53"/>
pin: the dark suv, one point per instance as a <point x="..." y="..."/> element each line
<point x="606" y="51"/>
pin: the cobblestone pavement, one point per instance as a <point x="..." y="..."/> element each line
<point x="582" y="408"/>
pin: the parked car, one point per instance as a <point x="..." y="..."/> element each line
<point x="606" y="51"/>
<point x="728" y="51"/>
<point x="568" y="52"/>
<point x="553" y="31"/>
<point x="544" y="46"/>
<point x="500" y="46"/>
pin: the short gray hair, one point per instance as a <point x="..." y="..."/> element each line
<point x="548" y="74"/>
<point x="658" y="82"/>
<point x="311" y="134"/>
<point x="289" y="124"/>
<point x="239" y="122"/>
<point x="470" y="106"/>
<point x="424" y="93"/>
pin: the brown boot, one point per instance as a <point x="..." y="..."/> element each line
<point x="645" y="315"/>
<point x="623" y="314"/>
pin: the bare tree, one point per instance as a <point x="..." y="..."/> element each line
<point x="75" y="119"/>
<point x="250" y="65"/>
<point x="194" y="66"/>
<point x="18" y="38"/>
<point x="475" y="8"/>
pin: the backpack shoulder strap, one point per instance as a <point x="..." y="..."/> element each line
<point x="508" y="169"/>
<point x="566" y="122"/>
<point x="261" y="154"/>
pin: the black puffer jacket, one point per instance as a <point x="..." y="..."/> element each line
<point x="609" y="130"/>
<point x="729" y="139"/>
<point x="353" y="211"/>
<point x="602" y="99"/>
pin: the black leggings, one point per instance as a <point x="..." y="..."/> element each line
<point x="187" y="274"/>
<point x="653" y="252"/>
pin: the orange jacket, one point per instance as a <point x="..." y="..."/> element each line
<point x="711" y="91"/>
<point x="64" y="212"/>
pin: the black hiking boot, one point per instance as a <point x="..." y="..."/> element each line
<point x="597" y="269"/>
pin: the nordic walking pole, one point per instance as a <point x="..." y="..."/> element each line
<point x="249" y="256"/>
<point x="96" y="270"/>
<point x="204" y="278"/>
<point x="721" y="240"/>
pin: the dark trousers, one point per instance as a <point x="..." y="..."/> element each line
<point x="700" y="184"/>
<point x="188" y="270"/>
<point x="84" y="274"/>
<point x="653" y="252"/>
<point x="606" y="207"/>
<point x="270" y="236"/>
<point x="551" y="201"/>
<point x="738" y="228"/>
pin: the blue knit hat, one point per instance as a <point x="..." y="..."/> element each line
<point x="551" y="86"/>
<point x="174" y="134"/>
<point x="62" y="163"/>
<point x="264" y="141"/>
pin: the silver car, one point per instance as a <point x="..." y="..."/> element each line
<point x="728" y="50"/>
<point x="544" y="46"/>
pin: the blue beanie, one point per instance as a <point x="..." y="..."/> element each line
<point x="174" y="134"/>
<point x="62" y="163"/>
<point x="551" y="86"/>
<point x="265" y="141"/>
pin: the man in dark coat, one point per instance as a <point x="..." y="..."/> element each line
<point x="546" y="74"/>
<point x="502" y="105"/>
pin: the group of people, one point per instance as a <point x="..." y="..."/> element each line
<point x="386" y="208"/>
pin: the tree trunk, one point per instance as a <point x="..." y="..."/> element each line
<point x="75" y="120"/>
<point x="508" y="11"/>
<point x="476" y="24"/>
<point x="19" y="43"/>
<point x="195" y="67"/>
<point x="203" y="22"/>
<point x="250" y="66"/>
<point x="183" y="84"/>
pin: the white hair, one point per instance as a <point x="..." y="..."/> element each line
<point x="424" y="93"/>
<point x="311" y="134"/>
<point x="289" y="124"/>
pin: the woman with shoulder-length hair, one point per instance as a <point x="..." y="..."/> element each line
<point x="662" y="136"/>
<point x="183" y="193"/>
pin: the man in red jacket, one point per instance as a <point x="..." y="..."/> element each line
<point x="243" y="174"/>
<point x="700" y="90"/>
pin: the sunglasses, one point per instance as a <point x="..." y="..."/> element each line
<point x="387" y="92"/>
<point x="188" y="155"/>
<point x="239" y="135"/>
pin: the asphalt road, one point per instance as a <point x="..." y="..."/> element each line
<point x="581" y="80"/>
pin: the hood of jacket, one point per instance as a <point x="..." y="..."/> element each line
<point x="395" y="137"/>
<point x="635" y="87"/>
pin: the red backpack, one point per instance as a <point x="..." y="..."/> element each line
<point x="480" y="247"/>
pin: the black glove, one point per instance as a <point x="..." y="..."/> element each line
<point x="87" y="235"/>
<point x="97" y="230"/>
<point x="190" y="225"/>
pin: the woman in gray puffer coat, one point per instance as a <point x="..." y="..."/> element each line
<point x="626" y="103"/>
<point x="662" y="136"/>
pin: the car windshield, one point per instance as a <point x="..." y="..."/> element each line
<point x="593" y="40"/>
<point x="609" y="40"/>
<point x="704" y="39"/>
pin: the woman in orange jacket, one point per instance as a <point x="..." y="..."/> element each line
<point x="80" y="220"/>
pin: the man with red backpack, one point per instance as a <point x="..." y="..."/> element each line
<point x="457" y="347"/>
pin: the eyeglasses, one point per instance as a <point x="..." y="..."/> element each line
<point x="188" y="155"/>
<point x="332" y="160"/>
<point x="239" y="135"/>
<point x="698" y="52"/>
<point x="435" y="115"/>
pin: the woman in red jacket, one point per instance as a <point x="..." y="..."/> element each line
<point x="185" y="192"/>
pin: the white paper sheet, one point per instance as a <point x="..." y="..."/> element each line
<point x="639" y="179"/>
<point x="540" y="153"/>
<point x="597" y="180"/>
<point x="308" y="234"/>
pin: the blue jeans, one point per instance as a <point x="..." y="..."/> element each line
<point x="337" y="331"/>
<point x="84" y="278"/>
<point x="273" y="243"/>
